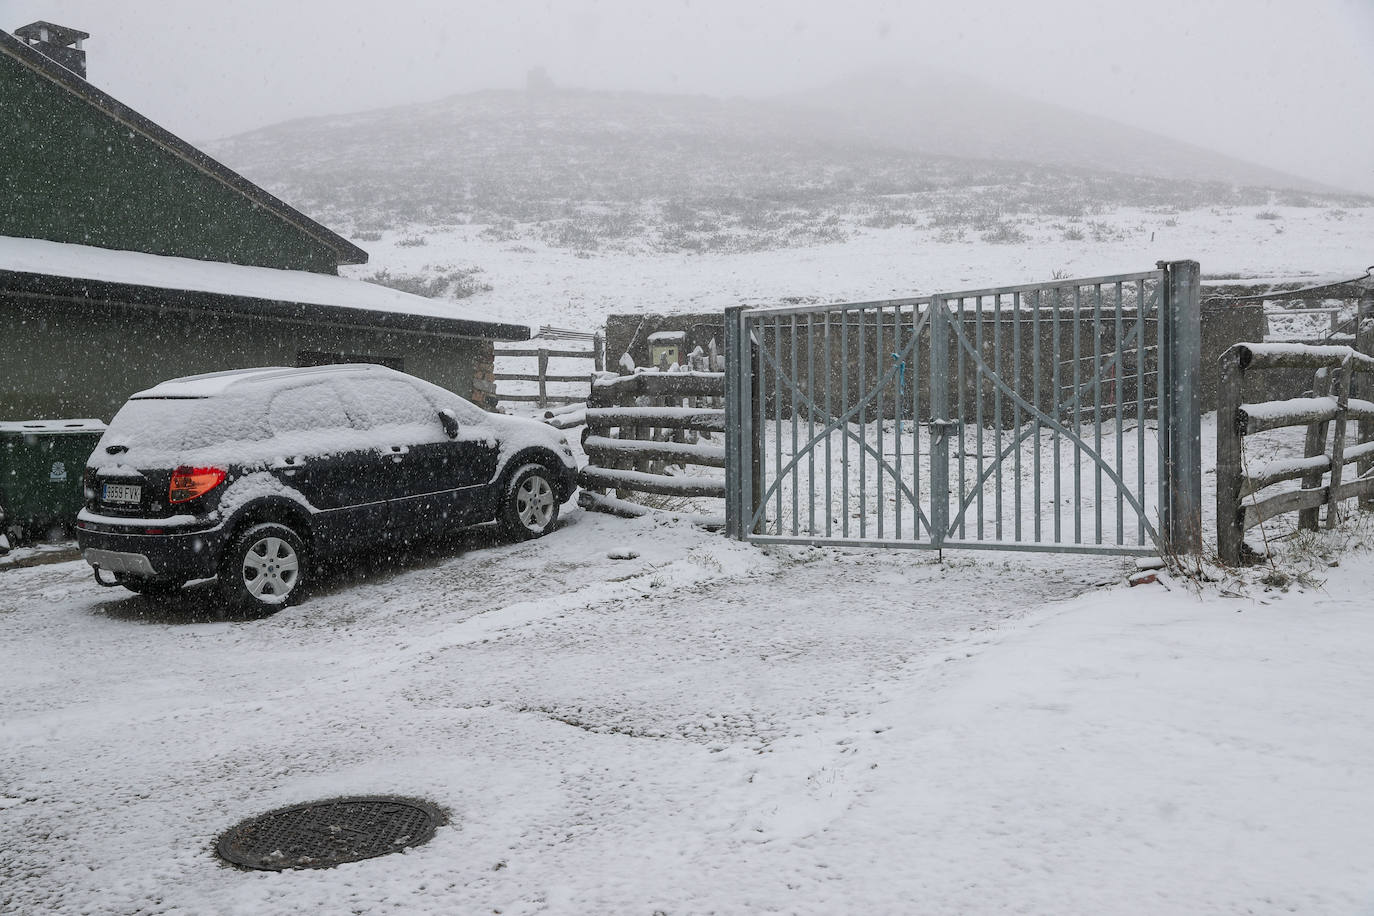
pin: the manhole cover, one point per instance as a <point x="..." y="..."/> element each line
<point x="326" y="833"/>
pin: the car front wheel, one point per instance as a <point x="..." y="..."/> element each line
<point x="263" y="568"/>
<point x="530" y="506"/>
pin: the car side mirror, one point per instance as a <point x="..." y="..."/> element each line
<point x="450" y="421"/>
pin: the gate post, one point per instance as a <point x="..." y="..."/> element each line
<point x="739" y="457"/>
<point x="1180" y="439"/>
<point x="940" y="423"/>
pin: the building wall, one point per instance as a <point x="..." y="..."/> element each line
<point x="63" y="359"/>
<point x="73" y="174"/>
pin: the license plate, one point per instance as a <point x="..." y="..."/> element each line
<point x="122" y="493"/>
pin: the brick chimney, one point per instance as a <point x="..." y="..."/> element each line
<point x="57" y="42"/>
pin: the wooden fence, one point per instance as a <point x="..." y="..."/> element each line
<point x="1338" y="371"/>
<point x="643" y="433"/>
<point x="542" y="376"/>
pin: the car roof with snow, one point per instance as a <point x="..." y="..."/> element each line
<point x="212" y="384"/>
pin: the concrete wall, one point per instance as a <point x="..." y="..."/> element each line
<point x="1222" y="326"/>
<point x="66" y="359"/>
<point x="1227" y="322"/>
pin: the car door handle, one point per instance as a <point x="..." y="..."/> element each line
<point x="398" y="450"/>
<point x="291" y="465"/>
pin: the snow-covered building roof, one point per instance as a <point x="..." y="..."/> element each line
<point x="77" y="97"/>
<point x="39" y="266"/>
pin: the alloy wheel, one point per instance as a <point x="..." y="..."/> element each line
<point x="271" y="570"/>
<point x="534" y="503"/>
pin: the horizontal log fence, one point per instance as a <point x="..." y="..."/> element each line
<point x="1339" y="373"/>
<point x="644" y="432"/>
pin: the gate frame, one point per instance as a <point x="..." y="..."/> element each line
<point x="1179" y="435"/>
<point x="1181" y="439"/>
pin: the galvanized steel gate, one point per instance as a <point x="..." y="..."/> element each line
<point x="1054" y="417"/>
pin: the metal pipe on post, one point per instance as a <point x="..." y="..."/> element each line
<point x="1182" y="427"/>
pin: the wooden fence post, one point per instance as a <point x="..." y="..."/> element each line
<point x="1230" y="476"/>
<point x="1315" y="445"/>
<point x="543" y="377"/>
<point x="1340" y="387"/>
<point x="1364" y="388"/>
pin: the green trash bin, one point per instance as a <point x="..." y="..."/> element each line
<point x="41" y="466"/>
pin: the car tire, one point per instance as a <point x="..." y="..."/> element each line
<point x="151" y="588"/>
<point x="263" y="568"/>
<point x="529" y="504"/>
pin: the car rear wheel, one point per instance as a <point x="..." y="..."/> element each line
<point x="263" y="568"/>
<point x="530" y="506"/>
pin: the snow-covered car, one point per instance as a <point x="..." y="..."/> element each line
<point x="253" y="475"/>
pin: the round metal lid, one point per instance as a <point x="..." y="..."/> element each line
<point x="326" y="833"/>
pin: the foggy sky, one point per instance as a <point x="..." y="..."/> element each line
<point x="1284" y="83"/>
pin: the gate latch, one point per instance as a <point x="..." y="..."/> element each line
<point x="942" y="427"/>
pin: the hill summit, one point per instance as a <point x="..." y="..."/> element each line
<point x="588" y="170"/>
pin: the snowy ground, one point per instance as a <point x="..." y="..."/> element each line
<point x="716" y="728"/>
<point x="708" y="727"/>
<point x="535" y="284"/>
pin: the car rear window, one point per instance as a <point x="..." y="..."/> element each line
<point x="182" y="424"/>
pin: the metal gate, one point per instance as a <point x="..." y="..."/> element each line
<point x="1053" y="417"/>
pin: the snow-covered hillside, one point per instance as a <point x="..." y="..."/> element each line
<point x="559" y="207"/>
<point x="532" y="282"/>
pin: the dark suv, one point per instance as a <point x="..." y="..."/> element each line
<point x="248" y="475"/>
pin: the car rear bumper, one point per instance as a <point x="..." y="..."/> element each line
<point x="169" y="554"/>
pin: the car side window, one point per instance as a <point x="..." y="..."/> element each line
<point x="310" y="407"/>
<point x="383" y="402"/>
<point x="468" y="413"/>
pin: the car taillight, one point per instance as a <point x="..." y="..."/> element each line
<point x="189" y="482"/>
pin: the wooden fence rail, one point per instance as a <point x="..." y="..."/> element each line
<point x="1338" y="372"/>
<point x="643" y="433"/>
<point x="542" y="376"/>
